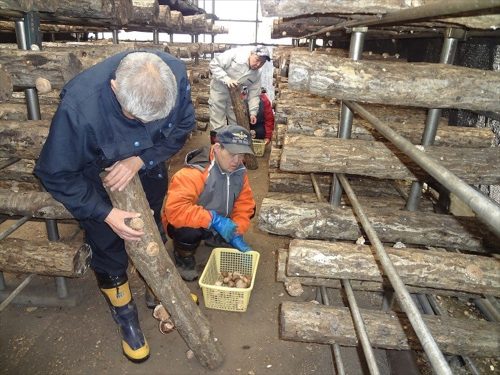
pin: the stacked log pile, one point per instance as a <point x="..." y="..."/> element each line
<point x="72" y="16"/>
<point x="21" y="140"/>
<point x="305" y="154"/>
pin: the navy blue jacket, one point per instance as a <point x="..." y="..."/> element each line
<point x="89" y="133"/>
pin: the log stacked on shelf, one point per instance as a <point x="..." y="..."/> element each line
<point x="311" y="322"/>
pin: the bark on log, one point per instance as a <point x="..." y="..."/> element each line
<point x="329" y="325"/>
<point x="19" y="112"/>
<point x="113" y="12"/>
<point x="152" y="261"/>
<point x="386" y="204"/>
<point x="68" y="259"/>
<point x="243" y="119"/>
<point x="324" y="123"/>
<point x="25" y="67"/>
<point x="6" y="86"/>
<point x="301" y="183"/>
<point x="144" y="12"/>
<point x="23" y="140"/>
<point x="32" y="203"/>
<point x="324" y="222"/>
<point x="370" y="286"/>
<point x="412" y="84"/>
<point x="383" y="160"/>
<point x="281" y="276"/>
<point x="421" y="268"/>
<point x="202" y="113"/>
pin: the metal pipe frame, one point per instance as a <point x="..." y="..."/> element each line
<point x="359" y="325"/>
<point x="486" y="210"/>
<point x="448" y="53"/>
<point x="346" y="116"/>
<point x="437" y="9"/>
<point x="15" y="292"/>
<point x="430" y="347"/>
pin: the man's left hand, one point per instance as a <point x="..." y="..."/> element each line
<point x="122" y="172"/>
<point x="253" y="119"/>
<point x="267" y="140"/>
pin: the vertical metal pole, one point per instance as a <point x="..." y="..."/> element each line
<point x="171" y="37"/>
<point x="256" y="20"/>
<point x="312" y="44"/>
<point x="115" y="36"/>
<point x="32" y="30"/>
<point x="156" y="36"/>
<point x="346" y="116"/>
<point x="21" y="35"/>
<point x="448" y="52"/>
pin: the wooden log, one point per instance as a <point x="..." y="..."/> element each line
<point x="327" y="126"/>
<point x="23" y="140"/>
<point x="300" y="26"/>
<point x="110" y="12"/>
<point x="412" y="84"/>
<point x="152" y="261"/>
<point x="18" y="111"/>
<point x="301" y="183"/>
<point x="243" y="119"/>
<point x="310" y="322"/>
<point x="300" y="220"/>
<point x="25" y="67"/>
<point x="144" y="12"/>
<point x="421" y="268"/>
<point x="369" y="286"/>
<point x="202" y="113"/>
<point x="32" y="203"/>
<point x="6" y="86"/>
<point x="282" y="276"/>
<point x="42" y="257"/>
<point x="387" y="203"/>
<point x="383" y="160"/>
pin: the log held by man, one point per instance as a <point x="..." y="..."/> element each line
<point x="152" y="261"/>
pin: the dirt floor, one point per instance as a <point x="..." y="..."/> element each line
<point x="83" y="339"/>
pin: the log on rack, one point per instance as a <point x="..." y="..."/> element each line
<point x="327" y="325"/>
<point x="153" y="262"/>
<point x="42" y="257"/>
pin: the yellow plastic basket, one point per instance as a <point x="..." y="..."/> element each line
<point x="228" y="260"/>
<point x="259" y="147"/>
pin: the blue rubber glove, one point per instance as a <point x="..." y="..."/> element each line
<point x="223" y="225"/>
<point x="239" y="243"/>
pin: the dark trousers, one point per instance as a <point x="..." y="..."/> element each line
<point x="188" y="236"/>
<point x="108" y="250"/>
<point x="260" y="130"/>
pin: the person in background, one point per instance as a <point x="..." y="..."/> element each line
<point x="125" y="115"/>
<point x="237" y="66"/>
<point x="210" y="199"/>
<point x="264" y="126"/>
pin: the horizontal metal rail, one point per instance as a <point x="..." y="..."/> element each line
<point x="437" y="9"/>
<point x="486" y="209"/>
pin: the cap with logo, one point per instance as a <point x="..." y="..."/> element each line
<point x="262" y="51"/>
<point x="236" y="139"/>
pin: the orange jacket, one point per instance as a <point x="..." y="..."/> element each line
<point x="181" y="207"/>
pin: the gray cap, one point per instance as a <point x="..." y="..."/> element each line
<point x="262" y="51"/>
<point x="236" y="139"/>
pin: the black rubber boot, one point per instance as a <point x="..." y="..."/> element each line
<point x="184" y="260"/>
<point x="217" y="241"/>
<point x="213" y="136"/>
<point x="116" y="290"/>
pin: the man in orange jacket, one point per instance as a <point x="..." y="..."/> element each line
<point x="210" y="199"/>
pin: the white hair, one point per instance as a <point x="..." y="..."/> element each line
<point x="145" y="86"/>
